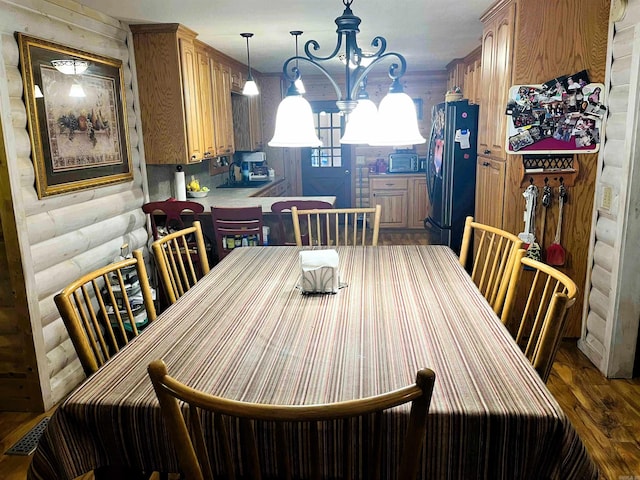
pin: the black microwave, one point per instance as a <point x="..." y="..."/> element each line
<point x="403" y="162"/>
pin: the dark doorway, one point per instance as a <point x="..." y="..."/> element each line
<point x="326" y="170"/>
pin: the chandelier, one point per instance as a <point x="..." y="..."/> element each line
<point x="393" y="123"/>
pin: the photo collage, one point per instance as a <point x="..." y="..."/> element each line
<point x="563" y="114"/>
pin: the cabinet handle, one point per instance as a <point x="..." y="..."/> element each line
<point x="487" y="152"/>
<point x="485" y="164"/>
<point x="389" y="184"/>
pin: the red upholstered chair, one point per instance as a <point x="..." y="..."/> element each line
<point x="174" y="213"/>
<point x="283" y="210"/>
<point x="229" y="222"/>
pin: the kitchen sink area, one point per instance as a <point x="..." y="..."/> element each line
<point x="249" y="184"/>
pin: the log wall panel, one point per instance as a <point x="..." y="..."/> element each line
<point x="63" y="236"/>
<point x="613" y="311"/>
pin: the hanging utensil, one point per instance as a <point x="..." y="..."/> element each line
<point x="533" y="250"/>
<point x="530" y="195"/>
<point x="556" y="254"/>
<point x="547" y="200"/>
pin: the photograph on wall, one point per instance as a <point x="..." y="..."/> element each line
<point x="76" y="117"/>
<point x="563" y="115"/>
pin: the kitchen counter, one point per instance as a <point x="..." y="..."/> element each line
<point x="245" y="197"/>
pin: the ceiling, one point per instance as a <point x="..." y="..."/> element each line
<point x="428" y="33"/>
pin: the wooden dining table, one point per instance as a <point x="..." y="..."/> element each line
<point x="247" y="332"/>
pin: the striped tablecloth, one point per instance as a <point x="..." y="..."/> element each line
<point x="246" y="332"/>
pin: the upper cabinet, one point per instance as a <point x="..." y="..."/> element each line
<point x="497" y="45"/>
<point x="185" y="91"/>
<point x="221" y="75"/>
<point x="247" y="122"/>
<point x="205" y="84"/>
<point x="169" y="93"/>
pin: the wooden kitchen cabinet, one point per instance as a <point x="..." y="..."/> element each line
<point x="277" y="189"/>
<point x="169" y="93"/>
<point x="247" y="122"/>
<point x="391" y="193"/>
<point x="223" y="131"/>
<point x="418" y="202"/>
<point x="490" y="187"/>
<point x="205" y="82"/>
<point x="496" y="68"/>
<point x="237" y="79"/>
<point x="403" y="198"/>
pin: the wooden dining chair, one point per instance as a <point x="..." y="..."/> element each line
<point x="104" y="309"/>
<point x="282" y="209"/>
<point x="337" y="226"/>
<point x="489" y="253"/>
<point x="280" y="422"/>
<point x="181" y="259"/>
<point x="244" y="222"/>
<point x="540" y="313"/>
<point x="169" y="215"/>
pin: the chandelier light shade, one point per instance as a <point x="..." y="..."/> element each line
<point x="250" y="87"/>
<point x="397" y="122"/>
<point x="70" y="66"/>
<point x="357" y="65"/>
<point x="294" y="122"/>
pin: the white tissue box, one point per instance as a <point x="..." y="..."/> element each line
<point x="319" y="271"/>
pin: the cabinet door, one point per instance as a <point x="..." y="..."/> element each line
<point x="229" y="147"/>
<point x="490" y="185"/>
<point x="255" y="122"/>
<point x="485" y="122"/>
<point x="497" y="39"/>
<point x="417" y="202"/>
<point x="394" y="207"/>
<point x="191" y="101"/>
<point x="206" y="104"/>
<point x="222" y="109"/>
<point x="237" y="80"/>
<point x="502" y="78"/>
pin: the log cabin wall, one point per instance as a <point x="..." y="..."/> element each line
<point x="60" y="237"/>
<point x="612" y="304"/>
<point x="553" y="38"/>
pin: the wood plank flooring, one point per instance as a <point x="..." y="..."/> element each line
<point x="606" y="413"/>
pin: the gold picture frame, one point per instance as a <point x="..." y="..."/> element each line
<point x="77" y="143"/>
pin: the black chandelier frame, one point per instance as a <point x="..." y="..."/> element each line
<point x="355" y="79"/>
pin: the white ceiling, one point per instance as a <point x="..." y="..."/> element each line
<point x="429" y="33"/>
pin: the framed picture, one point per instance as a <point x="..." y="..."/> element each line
<point x="77" y="119"/>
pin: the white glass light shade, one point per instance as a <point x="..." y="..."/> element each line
<point x="397" y="122"/>
<point x="76" y="91"/>
<point x="361" y="126"/>
<point x="300" y="85"/>
<point x="250" y="88"/>
<point x="294" y="124"/>
<point x="70" y="66"/>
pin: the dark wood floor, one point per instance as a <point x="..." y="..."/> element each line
<point x="606" y="413"/>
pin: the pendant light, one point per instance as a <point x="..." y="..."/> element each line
<point x="299" y="84"/>
<point x="397" y="122"/>
<point x="294" y="122"/>
<point x="362" y="123"/>
<point x="250" y="87"/>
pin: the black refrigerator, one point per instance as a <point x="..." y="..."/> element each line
<point x="451" y="170"/>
